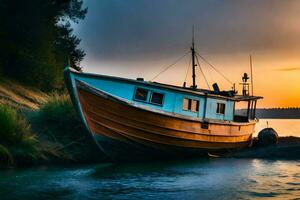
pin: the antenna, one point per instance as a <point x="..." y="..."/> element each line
<point x="194" y="86"/>
<point x="193" y="37"/>
<point x="251" y="75"/>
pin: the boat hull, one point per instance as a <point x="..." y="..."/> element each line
<point x="126" y="132"/>
<point x="119" y="151"/>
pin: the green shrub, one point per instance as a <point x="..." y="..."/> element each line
<point x="56" y="122"/>
<point x="57" y="117"/>
<point x="57" y="109"/>
<point x="6" y="158"/>
<point x="8" y="119"/>
<point x="17" y="143"/>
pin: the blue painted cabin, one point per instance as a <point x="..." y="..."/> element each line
<point x="166" y="98"/>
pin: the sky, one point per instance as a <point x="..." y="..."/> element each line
<point x="140" y="38"/>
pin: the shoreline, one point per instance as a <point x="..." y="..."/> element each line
<point x="287" y="148"/>
<point x="60" y="140"/>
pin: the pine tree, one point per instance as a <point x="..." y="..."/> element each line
<point x="37" y="41"/>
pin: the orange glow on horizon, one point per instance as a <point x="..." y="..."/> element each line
<point x="276" y="79"/>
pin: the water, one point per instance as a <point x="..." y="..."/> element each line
<point x="284" y="127"/>
<point x="197" y="179"/>
<point x="194" y="179"/>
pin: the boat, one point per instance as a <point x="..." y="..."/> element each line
<point x="134" y="120"/>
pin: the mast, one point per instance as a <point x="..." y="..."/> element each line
<point x="194" y="86"/>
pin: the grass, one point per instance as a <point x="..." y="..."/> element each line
<point x="37" y="128"/>
<point x="58" y="119"/>
<point x="19" y="96"/>
<point x="18" y="145"/>
<point x="6" y="159"/>
<point x="58" y="110"/>
<point x="60" y="131"/>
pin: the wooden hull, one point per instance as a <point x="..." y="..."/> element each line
<point x="126" y="132"/>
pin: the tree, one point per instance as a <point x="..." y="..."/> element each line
<point x="66" y="47"/>
<point x="37" y="41"/>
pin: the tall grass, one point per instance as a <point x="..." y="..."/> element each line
<point x="17" y="143"/>
<point x="6" y="159"/>
<point x="58" y="117"/>
<point x="57" y="122"/>
<point x="59" y="135"/>
<point x="58" y="108"/>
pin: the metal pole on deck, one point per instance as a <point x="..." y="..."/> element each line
<point x="248" y="109"/>
<point x="193" y="62"/>
<point x="254" y="114"/>
<point x="251" y="75"/>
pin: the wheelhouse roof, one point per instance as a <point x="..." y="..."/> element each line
<point x="199" y="92"/>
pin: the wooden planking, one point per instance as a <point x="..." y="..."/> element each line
<point x="225" y="131"/>
<point x="164" y="132"/>
<point x="161" y="139"/>
<point x="108" y="127"/>
<point x="153" y="119"/>
<point x="133" y="104"/>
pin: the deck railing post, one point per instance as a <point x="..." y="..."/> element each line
<point x="251" y="109"/>
<point x="254" y="109"/>
<point x="248" y="109"/>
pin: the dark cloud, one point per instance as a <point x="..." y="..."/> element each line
<point x="154" y="29"/>
<point x="288" y="69"/>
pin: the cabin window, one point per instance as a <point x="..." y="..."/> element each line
<point x="141" y="94"/>
<point x="186" y="104"/>
<point x="195" y="105"/>
<point x="190" y="105"/>
<point x="221" y="108"/>
<point x="157" y="98"/>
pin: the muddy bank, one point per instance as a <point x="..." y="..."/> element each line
<point x="287" y="148"/>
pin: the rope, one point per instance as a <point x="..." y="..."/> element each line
<point x="202" y="72"/>
<point x="165" y="69"/>
<point x="214" y="68"/>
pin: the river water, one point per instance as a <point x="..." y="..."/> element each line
<point x="284" y="127"/>
<point x="191" y="179"/>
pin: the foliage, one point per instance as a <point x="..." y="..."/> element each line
<point x="59" y="136"/>
<point x="57" y="121"/>
<point x="17" y="143"/>
<point x="37" y="41"/>
<point x="6" y="158"/>
<point x="58" y="105"/>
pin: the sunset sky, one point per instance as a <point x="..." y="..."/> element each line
<point x="139" y="38"/>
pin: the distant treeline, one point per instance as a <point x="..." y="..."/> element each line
<point x="36" y="40"/>
<point x="283" y="113"/>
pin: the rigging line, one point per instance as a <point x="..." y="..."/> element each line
<point x="165" y="69"/>
<point x="202" y="72"/>
<point x="214" y="68"/>
<point x="188" y="69"/>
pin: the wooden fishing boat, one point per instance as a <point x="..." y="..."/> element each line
<point x="137" y="119"/>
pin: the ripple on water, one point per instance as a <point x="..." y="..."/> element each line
<point x="263" y="194"/>
<point x="210" y="179"/>
<point x="293" y="183"/>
